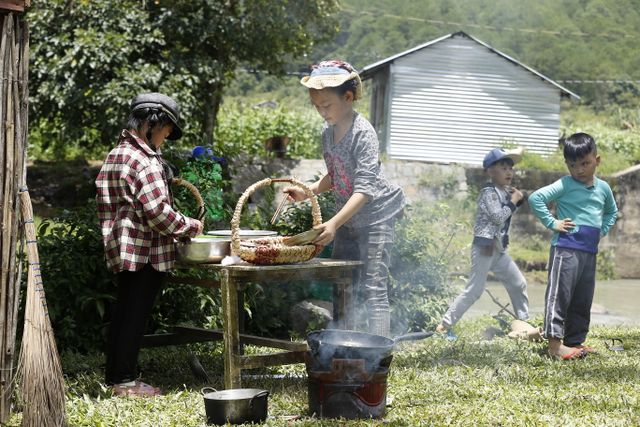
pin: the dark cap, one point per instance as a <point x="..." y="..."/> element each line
<point x="498" y="154"/>
<point x="164" y="103"/>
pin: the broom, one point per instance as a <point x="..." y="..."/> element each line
<point x="39" y="368"/>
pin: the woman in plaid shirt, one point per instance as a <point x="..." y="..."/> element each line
<point x="139" y="226"/>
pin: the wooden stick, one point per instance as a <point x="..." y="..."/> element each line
<point x="278" y="209"/>
<point x="5" y="376"/>
<point x="503" y="307"/>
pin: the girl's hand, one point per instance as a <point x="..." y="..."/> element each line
<point x="297" y="194"/>
<point x="327" y="235"/>
<point x="563" y="225"/>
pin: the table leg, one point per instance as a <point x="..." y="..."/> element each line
<point x="230" y="329"/>
<point x="343" y="303"/>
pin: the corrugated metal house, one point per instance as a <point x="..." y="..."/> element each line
<point x="452" y="99"/>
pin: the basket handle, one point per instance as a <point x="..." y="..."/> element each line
<point x="316" y="216"/>
<point x="194" y="191"/>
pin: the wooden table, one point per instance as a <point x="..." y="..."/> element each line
<point x="232" y="280"/>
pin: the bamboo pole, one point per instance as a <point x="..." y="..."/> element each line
<point x="13" y="136"/>
<point x="13" y="114"/>
<point x="5" y="375"/>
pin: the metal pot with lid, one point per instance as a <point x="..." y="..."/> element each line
<point x="214" y="246"/>
<point x="235" y="406"/>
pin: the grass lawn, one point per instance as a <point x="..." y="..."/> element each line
<point x="469" y="382"/>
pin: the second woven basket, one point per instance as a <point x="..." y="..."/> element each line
<point x="272" y="250"/>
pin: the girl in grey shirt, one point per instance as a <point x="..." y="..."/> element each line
<point x="367" y="204"/>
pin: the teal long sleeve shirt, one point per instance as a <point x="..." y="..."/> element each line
<point x="592" y="208"/>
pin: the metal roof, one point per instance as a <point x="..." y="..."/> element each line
<point x="368" y="71"/>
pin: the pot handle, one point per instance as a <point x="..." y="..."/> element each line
<point x="259" y="394"/>
<point x="413" y="336"/>
<point x="205" y="390"/>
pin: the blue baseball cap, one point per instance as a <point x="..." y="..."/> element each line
<point x="498" y="154"/>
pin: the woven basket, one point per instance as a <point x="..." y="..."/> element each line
<point x="272" y="250"/>
<point x="194" y="191"/>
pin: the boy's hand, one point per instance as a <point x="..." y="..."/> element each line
<point x="516" y="195"/>
<point x="563" y="225"/>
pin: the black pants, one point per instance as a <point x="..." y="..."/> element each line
<point x="569" y="295"/>
<point x="137" y="291"/>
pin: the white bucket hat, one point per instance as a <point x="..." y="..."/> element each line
<point x="332" y="74"/>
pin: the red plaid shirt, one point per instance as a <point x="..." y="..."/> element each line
<point x="139" y="224"/>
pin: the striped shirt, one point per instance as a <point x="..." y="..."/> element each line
<point x="135" y="210"/>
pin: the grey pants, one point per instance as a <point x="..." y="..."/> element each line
<point x="503" y="267"/>
<point x="371" y="245"/>
<point x="572" y="280"/>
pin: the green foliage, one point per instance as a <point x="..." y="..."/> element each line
<point x="80" y="289"/>
<point x="78" y="285"/>
<point x="244" y="129"/>
<point x="90" y="57"/>
<point x="422" y="260"/>
<point x="206" y="175"/>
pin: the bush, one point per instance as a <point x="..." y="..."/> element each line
<point x="423" y="258"/>
<point x="243" y="129"/>
<point x="78" y="286"/>
<point x="211" y="177"/>
<point x="80" y="289"/>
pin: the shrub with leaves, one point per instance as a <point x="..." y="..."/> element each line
<point x="244" y="129"/>
<point x="427" y="242"/>
<point x="210" y="177"/>
<point x="80" y="289"/>
<point x="78" y="286"/>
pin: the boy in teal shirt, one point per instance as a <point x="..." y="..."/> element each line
<point x="588" y="210"/>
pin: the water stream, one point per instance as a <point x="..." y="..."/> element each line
<point x="616" y="302"/>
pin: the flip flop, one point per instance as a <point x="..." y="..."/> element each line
<point x="614" y="344"/>
<point x="586" y="348"/>
<point x="139" y="389"/>
<point x="577" y="353"/>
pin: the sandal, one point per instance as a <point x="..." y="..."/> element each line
<point x="138" y="389"/>
<point x="577" y="353"/>
<point x="586" y="348"/>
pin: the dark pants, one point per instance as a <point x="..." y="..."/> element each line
<point x="137" y="291"/>
<point x="572" y="279"/>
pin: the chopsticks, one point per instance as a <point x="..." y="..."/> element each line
<point x="279" y="209"/>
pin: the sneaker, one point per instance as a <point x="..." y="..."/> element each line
<point x="446" y="333"/>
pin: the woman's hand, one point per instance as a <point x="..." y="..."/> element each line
<point x="328" y="233"/>
<point x="297" y="194"/>
<point x="563" y="225"/>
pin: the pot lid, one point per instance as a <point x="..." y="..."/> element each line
<point x="243" y="233"/>
<point x="235" y="394"/>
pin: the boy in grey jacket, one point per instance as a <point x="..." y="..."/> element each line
<point x="496" y="203"/>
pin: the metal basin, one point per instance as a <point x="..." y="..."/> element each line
<point x="213" y="247"/>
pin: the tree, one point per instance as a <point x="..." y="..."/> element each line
<point x="87" y="59"/>
<point x="208" y="41"/>
<point x="91" y="56"/>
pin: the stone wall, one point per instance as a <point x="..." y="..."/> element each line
<point x="625" y="235"/>
<point x="434" y="182"/>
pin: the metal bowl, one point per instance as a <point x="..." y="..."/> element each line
<point x="202" y="250"/>
<point x="213" y="247"/>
